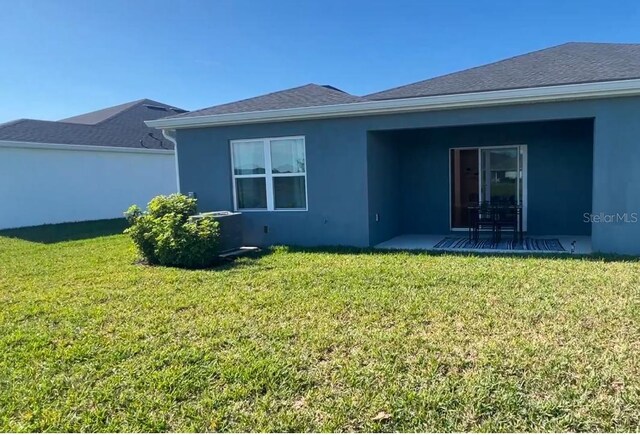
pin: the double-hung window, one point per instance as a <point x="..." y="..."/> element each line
<point x="269" y="174"/>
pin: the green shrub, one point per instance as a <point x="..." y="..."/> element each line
<point x="177" y="204"/>
<point x="164" y="234"/>
<point x="141" y="232"/>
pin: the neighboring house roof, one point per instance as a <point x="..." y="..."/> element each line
<point x="574" y="62"/>
<point x="303" y="96"/>
<point x="117" y="126"/>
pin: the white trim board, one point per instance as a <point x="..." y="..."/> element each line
<point x="70" y="147"/>
<point x="579" y="91"/>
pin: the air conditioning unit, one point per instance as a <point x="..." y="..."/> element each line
<point x="230" y="228"/>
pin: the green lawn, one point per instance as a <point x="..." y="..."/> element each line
<point x="299" y="340"/>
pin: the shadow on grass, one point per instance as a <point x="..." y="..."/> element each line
<point x="252" y="259"/>
<point x="342" y="250"/>
<point x="56" y="233"/>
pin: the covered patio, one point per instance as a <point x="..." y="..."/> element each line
<point x="423" y="183"/>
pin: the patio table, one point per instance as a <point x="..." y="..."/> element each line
<point x="487" y="214"/>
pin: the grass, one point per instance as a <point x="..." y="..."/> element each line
<point x="299" y="340"/>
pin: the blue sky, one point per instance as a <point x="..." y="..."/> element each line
<point x="61" y="58"/>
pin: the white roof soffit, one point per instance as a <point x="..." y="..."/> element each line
<point x="619" y="88"/>
<point x="70" y="147"/>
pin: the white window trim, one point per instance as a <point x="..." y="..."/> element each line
<point x="268" y="175"/>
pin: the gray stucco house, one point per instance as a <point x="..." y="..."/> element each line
<point x="558" y="130"/>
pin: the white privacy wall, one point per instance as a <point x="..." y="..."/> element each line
<point x="43" y="184"/>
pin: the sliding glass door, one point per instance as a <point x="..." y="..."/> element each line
<point x="464" y="185"/>
<point x="500" y="177"/>
<point x="488" y="174"/>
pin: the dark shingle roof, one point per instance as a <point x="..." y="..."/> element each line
<point x="118" y="126"/>
<point x="303" y="96"/>
<point x="564" y="64"/>
<point x="103" y="114"/>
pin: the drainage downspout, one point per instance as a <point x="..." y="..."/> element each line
<point x="170" y="135"/>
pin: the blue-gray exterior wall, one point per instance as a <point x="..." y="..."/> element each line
<point x="336" y="182"/>
<point x="616" y="177"/>
<point x="385" y="185"/>
<point x="341" y="193"/>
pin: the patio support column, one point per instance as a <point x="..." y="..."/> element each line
<point x="616" y="178"/>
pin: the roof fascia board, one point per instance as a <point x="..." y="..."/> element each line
<point x="618" y="88"/>
<point x="70" y="147"/>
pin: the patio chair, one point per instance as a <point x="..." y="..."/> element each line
<point x="481" y="217"/>
<point x="507" y="217"/>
